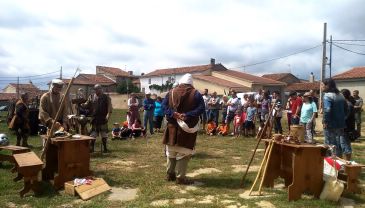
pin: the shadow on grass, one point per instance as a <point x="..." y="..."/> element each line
<point x="46" y="189"/>
<point x="204" y="155"/>
<point x="221" y="182"/>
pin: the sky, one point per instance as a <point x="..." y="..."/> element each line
<point x="39" y="37"/>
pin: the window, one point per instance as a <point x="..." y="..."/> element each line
<point x="149" y="81"/>
<point x="143" y="89"/>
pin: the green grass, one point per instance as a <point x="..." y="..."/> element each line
<point x="212" y="152"/>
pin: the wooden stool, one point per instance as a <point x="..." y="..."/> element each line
<point x="14" y="150"/>
<point x="351" y="177"/>
<point x="28" y="166"/>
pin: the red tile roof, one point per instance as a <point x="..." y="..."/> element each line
<point x="7" y="96"/>
<point x="183" y="70"/>
<point x="277" y="76"/>
<point x="303" y="86"/>
<point x="222" y="82"/>
<point x="354" y="73"/>
<point x="250" y="78"/>
<point x="24" y="86"/>
<point x="90" y="79"/>
<point x="113" y="71"/>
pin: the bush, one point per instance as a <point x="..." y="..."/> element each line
<point x="127" y="87"/>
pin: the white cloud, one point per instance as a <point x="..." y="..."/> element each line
<point x="40" y="36"/>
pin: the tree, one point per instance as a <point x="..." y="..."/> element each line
<point x="163" y="87"/>
<point x="127" y="87"/>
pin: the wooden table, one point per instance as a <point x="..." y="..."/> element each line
<point x="28" y="166"/>
<point x="301" y="166"/>
<point x="14" y="150"/>
<point x="351" y="177"/>
<point x="68" y="159"/>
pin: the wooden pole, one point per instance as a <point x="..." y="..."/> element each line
<point x="51" y="131"/>
<point x="266" y="164"/>
<point x="259" y="137"/>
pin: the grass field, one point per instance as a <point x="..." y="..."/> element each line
<point x="140" y="164"/>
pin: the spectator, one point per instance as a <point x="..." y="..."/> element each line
<point x="258" y="99"/>
<point x="250" y="119"/>
<point x="265" y="107"/>
<point x="158" y="114"/>
<point x="138" y="130"/>
<point x="205" y="115"/>
<point x="133" y="107"/>
<point x="307" y="116"/>
<point x="296" y="104"/>
<point x="358" y="110"/>
<point x="334" y="113"/>
<point x="345" y="139"/>
<point x="211" y="127"/>
<point x="224" y="106"/>
<point x="277" y="112"/>
<point x="116" y="131"/>
<point x="223" y="128"/>
<point x="233" y="104"/>
<point x="125" y="132"/>
<point x="237" y="123"/>
<point x="149" y="108"/>
<point x="214" y="106"/>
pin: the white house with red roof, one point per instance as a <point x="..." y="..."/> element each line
<point x="353" y="79"/>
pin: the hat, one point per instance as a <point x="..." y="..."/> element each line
<point x="175" y="84"/>
<point x="307" y="94"/>
<point x="97" y="86"/>
<point x="57" y="82"/>
<point x="148" y="93"/>
<point x="186" y="79"/>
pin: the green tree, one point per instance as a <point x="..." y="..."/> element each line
<point x="127" y="87"/>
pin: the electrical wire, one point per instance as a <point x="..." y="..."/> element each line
<point x="347" y="40"/>
<point x="27" y="77"/>
<point x="277" y="58"/>
<point x="353" y="44"/>
<point x="359" y="53"/>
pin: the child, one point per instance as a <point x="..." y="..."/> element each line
<point x="250" y="119"/>
<point x="125" y="132"/>
<point x="137" y="129"/>
<point x="223" y="128"/>
<point x="237" y="123"/>
<point x="116" y="131"/>
<point x="211" y="127"/>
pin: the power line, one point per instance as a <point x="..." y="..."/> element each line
<point x="353" y="44"/>
<point x="277" y="58"/>
<point x="359" y="53"/>
<point x="348" y="40"/>
<point x="27" y="77"/>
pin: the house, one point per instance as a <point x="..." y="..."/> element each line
<point x="171" y="75"/>
<point x="12" y="88"/>
<point x="118" y="75"/>
<point x="10" y="92"/>
<point x="353" y="79"/>
<point x="294" y="83"/>
<point x="87" y="82"/>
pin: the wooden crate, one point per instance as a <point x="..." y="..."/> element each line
<point x="98" y="186"/>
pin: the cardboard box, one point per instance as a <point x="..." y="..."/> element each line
<point x="85" y="191"/>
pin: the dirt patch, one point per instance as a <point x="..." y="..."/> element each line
<point x="265" y="204"/>
<point x="242" y="168"/>
<point x="279" y="186"/>
<point x="122" y="163"/>
<point x="160" y="203"/>
<point x="203" y="171"/>
<point x="183" y="200"/>
<point x="348" y="203"/>
<point x="236" y="206"/>
<point x="236" y="158"/>
<point x="122" y="194"/>
<point x="207" y="200"/>
<point x="255" y="194"/>
<point x="228" y="201"/>
<point x="144" y="166"/>
<point x="11" y="205"/>
<point x="191" y="188"/>
<point x="259" y="150"/>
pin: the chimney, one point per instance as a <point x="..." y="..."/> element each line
<point x="130" y="73"/>
<point x="212" y="61"/>
<point x="142" y="74"/>
<point x="311" y="77"/>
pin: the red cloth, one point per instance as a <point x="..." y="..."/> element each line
<point x="297" y="103"/>
<point x="237" y="120"/>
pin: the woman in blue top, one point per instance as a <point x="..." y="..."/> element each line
<point x="307" y="115"/>
<point x="158" y="114"/>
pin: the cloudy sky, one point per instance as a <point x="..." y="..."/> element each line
<point x="38" y="37"/>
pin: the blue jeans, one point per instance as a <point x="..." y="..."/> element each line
<point x="294" y="121"/>
<point x="345" y="143"/>
<point x="148" y="116"/>
<point x="332" y="137"/>
<point x="214" y="114"/>
<point x="277" y="125"/>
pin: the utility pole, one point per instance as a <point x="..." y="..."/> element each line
<point x="330" y="63"/>
<point x="324" y="61"/>
<point x="61" y="73"/>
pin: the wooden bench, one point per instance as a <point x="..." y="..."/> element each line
<point x="28" y="166"/>
<point x="14" y="150"/>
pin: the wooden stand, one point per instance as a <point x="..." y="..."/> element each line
<point x="351" y="177"/>
<point x="301" y="166"/>
<point x="14" y="150"/>
<point x="69" y="158"/>
<point x="28" y="166"/>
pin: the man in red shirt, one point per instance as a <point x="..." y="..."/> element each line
<point x="296" y="105"/>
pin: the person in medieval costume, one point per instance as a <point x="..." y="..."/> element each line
<point x="20" y="122"/>
<point x="49" y="105"/>
<point x="182" y="106"/>
<point x="101" y="108"/>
